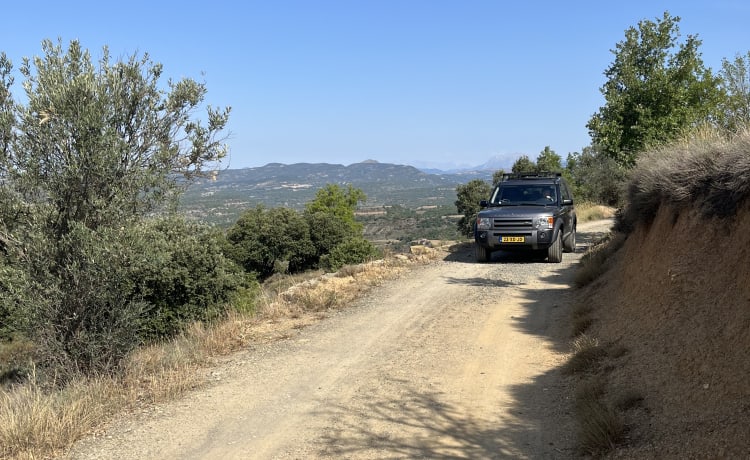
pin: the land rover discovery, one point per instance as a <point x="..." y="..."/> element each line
<point x="529" y="212"/>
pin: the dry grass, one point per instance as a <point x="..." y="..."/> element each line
<point x="37" y="422"/>
<point x="599" y="425"/>
<point x="708" y="170"/>
<point x="586" y="211"/>
<point x="596" y="260"/>
<point x="587" y="353"/>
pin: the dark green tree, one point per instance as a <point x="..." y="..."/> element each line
<point x="497" y="176"/>
<point x="656" y="89"/>
<point x="548" y="161"/>
<point x="468" y="197"/>
<point x="595" y="177"/>
<point x="523" y="165"/>
<point x="735" y="78"/>
<point x="338" y="202"/>
<point x="264" y="241"/>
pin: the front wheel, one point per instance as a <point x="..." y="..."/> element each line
<point x="481" y="253"/>
<point x="554" y="252"/>
<point x="569" y="243"/>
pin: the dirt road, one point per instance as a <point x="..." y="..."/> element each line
<point x="454" y="360"/>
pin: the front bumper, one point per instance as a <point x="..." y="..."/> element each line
<point x="532" y="238"/>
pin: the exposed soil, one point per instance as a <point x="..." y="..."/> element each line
<point x="452" y="360"/>
<point x="677" y="301"/>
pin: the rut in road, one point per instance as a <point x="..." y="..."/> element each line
<point x="452" y="360"/>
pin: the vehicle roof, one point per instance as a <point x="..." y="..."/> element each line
<point x="536" y="177"/>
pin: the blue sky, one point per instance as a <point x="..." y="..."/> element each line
<point x="429" y="83"/>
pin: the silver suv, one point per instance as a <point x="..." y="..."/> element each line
<point x="531" y="212"/>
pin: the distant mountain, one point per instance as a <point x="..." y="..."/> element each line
<point x="492" y="164"/>
<point x="276" y="184"/>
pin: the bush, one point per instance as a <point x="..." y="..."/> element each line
<point x="183" y="275"/>
<point x="351" y="251"/>
<point x="261" y="238"/>
<point x="111" y="289"/>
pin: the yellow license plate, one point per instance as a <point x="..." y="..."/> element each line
<point x="512" y="239"/>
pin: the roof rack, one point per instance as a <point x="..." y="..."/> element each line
<point x="531" y="175"/>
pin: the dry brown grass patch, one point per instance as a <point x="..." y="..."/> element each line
<point x="35" y="422"/>
<point x="599" y="425"/>
<point x="586" y="211"/>
<point x="596" y="260"/>
<point x="587" y="353"/>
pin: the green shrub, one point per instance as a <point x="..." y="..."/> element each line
<point x="351" y="251"/>
<point x="262" y="238"/>
<point x="183" y="275"/>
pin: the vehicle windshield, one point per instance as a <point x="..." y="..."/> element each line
<point x="524" y="195"/>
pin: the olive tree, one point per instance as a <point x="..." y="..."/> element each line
<point x="93" y="148"/>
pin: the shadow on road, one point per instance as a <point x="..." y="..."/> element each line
<point x="479" y="282"/>
<point x="426" y="427"/>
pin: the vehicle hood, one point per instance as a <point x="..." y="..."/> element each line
<point x="516" y="211"/>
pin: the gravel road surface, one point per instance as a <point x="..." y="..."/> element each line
<point x="453" y="360"/>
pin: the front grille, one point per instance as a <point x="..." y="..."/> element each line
<point x="512" y="223"/>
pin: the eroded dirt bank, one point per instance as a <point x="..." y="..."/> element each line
<point x="452" y="360"/>
<point x="678" y="300"/>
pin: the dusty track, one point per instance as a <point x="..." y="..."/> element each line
<point x="453" y="360"/>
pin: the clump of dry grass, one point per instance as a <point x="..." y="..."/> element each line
<point x="599" y="425"/>
<point x="587" y="353"/>
<point x="37" y="419"/>
<point x="596" y="260"/>
<point x="708" y="170"/>
<point x="586" y="211"/>
<point x="35" y="422"/>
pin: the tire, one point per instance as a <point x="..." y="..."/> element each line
<point x="569" y="243"/>
<point x="554" y="252"/>
<point x="481" y="253"/>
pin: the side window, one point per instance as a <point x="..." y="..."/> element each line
<point x="565" y="191"/>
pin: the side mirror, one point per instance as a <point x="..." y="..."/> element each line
<point x="483" y="203"/>
<point x="567" y="202"/>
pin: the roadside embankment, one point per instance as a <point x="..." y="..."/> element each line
<point x="675" y="305"/>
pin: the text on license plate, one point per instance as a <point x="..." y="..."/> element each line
<point x="512" y="239"/>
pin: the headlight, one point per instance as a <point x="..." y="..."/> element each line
<point x="544" y="222"/>
<point x="484" y="223"/>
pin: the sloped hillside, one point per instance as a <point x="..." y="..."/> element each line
<point x="676" y="305"/>
<point x="678" y="302"/>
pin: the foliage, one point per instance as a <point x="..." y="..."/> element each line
<point x="596" y="177"/>
<point x="264" y="241"/>
<point x="523" y="164"/>
<point x="330" y="216"/>
<point x="261" y="238"/>
<point x="350" y="251"/>
<point x="468" y="197"/>
<point x="182" y="274"/>
<point x="497" y="176"/>
<point x="735" y="80"/>
<point x="94" y="148"/>
<point x="334" y="201"/>
<point x="655" y="90"/>
<point x="548" y="161"/>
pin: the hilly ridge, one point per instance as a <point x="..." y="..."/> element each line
<point x="233" y="190"/>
